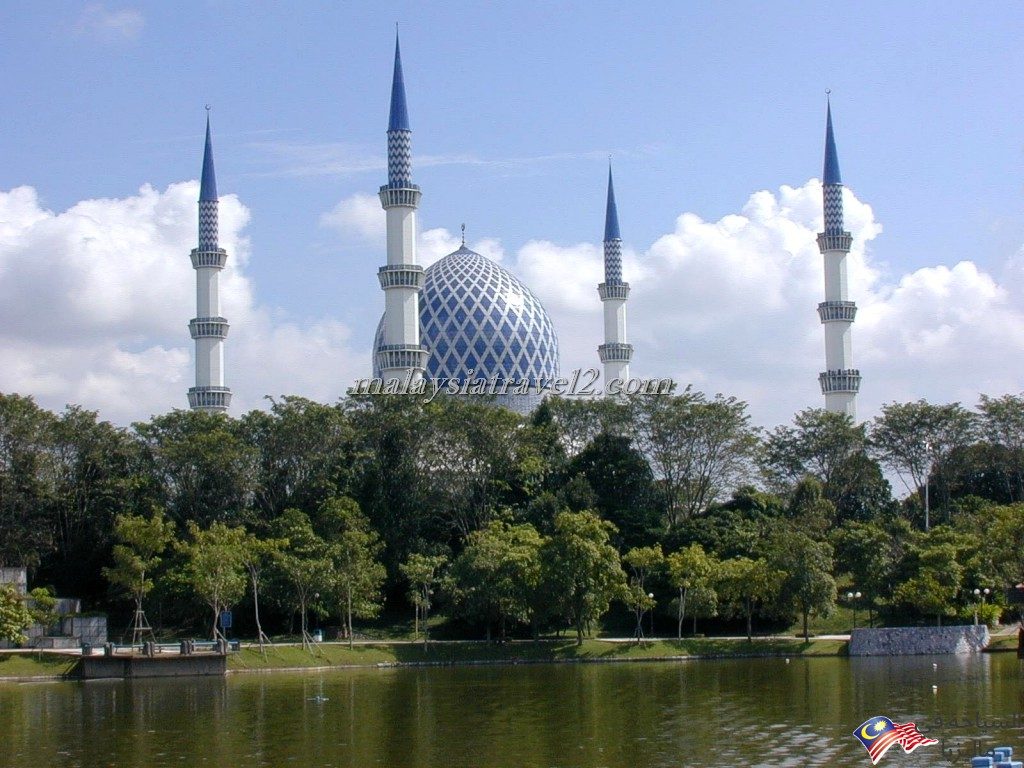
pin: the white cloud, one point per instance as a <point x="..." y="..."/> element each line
<point x="94" y="303"/>
<point x="360" y="217"/>
<point x="729" y="306"/>
<point x="105" y="24"/>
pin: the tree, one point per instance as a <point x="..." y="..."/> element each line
<point x="141" y="544"/>
<point x="202" y="467"/>
<point x="96" y="477"/>
<point x="579" y="420"/>
<point x="42" y="607"/>
<point x="583" y="568"/>
<point x="1005" y="542"/>
<point x="498" y="573"/>
<point x="698" y="448"/>
<point x="866" y="551"/>
<point x="422" y="573"/>
<point x="623" y="486"/>
<point x="934" y="586"/>
<point x="305" y="453"/>
<point x="473" y="455"/>
<point x="257" y="553"/>
<point x="354" y="547"/>
<point x="818" y="444"/>
<point x="691" y="571"/>
<point x="215" y="567"/>
<point x="913" y="439"/>
<point x="305" y="563"/>
<point x="642" y="562"/>
<point x="746" y="584"/>
<point x="805" y="566"/>
<point x="1001" y="424"/>
<point x="14" y="615"/>
<point x="26" y="481"/>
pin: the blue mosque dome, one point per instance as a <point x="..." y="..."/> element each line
<point x="477" y="320"/>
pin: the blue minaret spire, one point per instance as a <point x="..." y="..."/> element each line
<point x="399" y="132"/>
<point x="208" y="200"/>
<point x="612" y="238"/>
<point x="832" y="182"/>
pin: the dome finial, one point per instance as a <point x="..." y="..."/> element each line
<point x="463" y="235"/>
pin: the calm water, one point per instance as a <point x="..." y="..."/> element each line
<point x="758" y="712"/>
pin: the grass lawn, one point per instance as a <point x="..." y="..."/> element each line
<point x="332" y="654"/>
<point x="34" y="664"/>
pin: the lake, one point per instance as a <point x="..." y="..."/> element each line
<point x="757" y="712"/>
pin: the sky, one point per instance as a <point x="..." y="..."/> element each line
<point x="712" y="114"/>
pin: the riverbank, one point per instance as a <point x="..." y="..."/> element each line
<point x="328" y="655"/>
<point x="43" y="665"/>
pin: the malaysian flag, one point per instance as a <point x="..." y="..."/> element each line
<point x="877" y="734"/>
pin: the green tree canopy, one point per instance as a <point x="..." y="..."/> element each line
<point x="355" y="548"/>
<point x="693" y="572"/>
<point x="583" y="568"/>
<point x="215" y="569"/>
<point x="15" y="618"/>
<point x="497" y="575"/>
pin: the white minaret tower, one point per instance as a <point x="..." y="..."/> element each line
<point x="208" y="328"/>
<point x="840" y="382"/>
<point x="615" y="353"/>
<point x="401" y="356"/>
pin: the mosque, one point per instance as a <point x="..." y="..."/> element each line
<point x="467" y="319"/>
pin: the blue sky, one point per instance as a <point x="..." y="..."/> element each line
<point x="515" y="108"/>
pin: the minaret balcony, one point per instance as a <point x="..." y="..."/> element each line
<point x="613" y="291"/>
<point x="208" y="328"/>
<point x="840" y="381"/>
<point x="401" y="276"/>
<point x="407" y="196"/>
<point x="837" y="311"/>
<point x="209" y="398"/>
<point x="834" y="241"/>
<point x="392" y="356"/>
<point x="615" y="352"/>
<point x="215" y="259"/>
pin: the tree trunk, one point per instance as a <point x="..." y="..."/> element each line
<point x="806" y="636"/>
<point x="256" y="606"/>
<point x="579" y="634"/>
<point x="750" y="622"/>
<point x="682" y="612"/>
<point x="348" y="613"/>
<point x="302" y="614"/>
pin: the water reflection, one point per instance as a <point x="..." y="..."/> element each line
<point x="752" y="712"/>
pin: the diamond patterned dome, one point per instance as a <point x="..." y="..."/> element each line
<point x="478" y="320"/>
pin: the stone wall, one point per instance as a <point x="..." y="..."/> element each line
<point x="913" y="641"/>
<point x="16" y="576"/>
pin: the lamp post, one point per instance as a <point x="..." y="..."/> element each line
<point x="851" y="598"/>
<point x="650" y="596"/>
<point x="982" y="594"/>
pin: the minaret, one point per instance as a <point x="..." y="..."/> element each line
<point x="840" y="382"/>
<point x="208" y="328"/>
<point x="615" y="353"/>
<point x="401" y="356"/>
